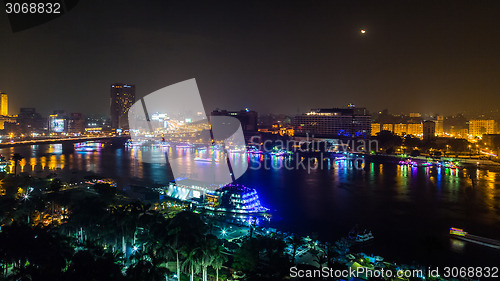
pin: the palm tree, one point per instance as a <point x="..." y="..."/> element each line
<point x="126" y="219"/>
<point x="185" y="230"/>
<point x="205" y="252"/>
<point x="321" y="260"/>
<point x="16" y="157"/>
<point x="191" y="264"/>
<point x="218" y="260"/>
<point x="296" y="242"/>
<point x="147" y="266"/>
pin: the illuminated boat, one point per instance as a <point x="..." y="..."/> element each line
<point x="200" y="159"/>
<point x="184" y="145"/>
<point x="463" y="235"/>
<point x="131" y="143"/>
<point x="452" y="165"/>
<point x="235" y="198"/>
<point x="3" y="164"/>
<point x="457" y="231"/>
<point x="88" y="146"/>
<point x="408" y="162"/>
<point x="254" y="150"/>
<point x="280" y="152"/>
<point x="358" y="235"/>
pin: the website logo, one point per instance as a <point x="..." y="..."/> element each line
<point x="170" y="125"/>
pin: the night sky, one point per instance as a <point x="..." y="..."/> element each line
<point x="281" y="57"/>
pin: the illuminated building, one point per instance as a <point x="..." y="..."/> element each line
<point x="458" y="132"/>
<point x="4" y="104"/>
<point x="415" y="129"/>
<point x="376" y="128"/>
<point x="491" y="140"/>
<point x="429" y="130"/>
<point x="439" y="125"/>
<point x="400" y="129"/>
<point x="333" y="122"/>
<point x="388" y="127"/>
<point x="6" y="119"/>
<point x="248" y="118"/>
<point x="415" y="115"/>
<point x="492" y="143"/>
<point x="478" y="127"/>
<point x="122" y="97"/>
<point x="58" y="122"/>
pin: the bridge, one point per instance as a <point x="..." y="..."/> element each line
<point x="63" y="140"/>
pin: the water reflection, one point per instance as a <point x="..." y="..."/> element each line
<point x="392" y="200"/>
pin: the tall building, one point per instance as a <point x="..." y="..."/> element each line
<point x="121" y="99"/>
<point x="479" y="127"/>
<point x="429" y="130"/>
<point x="30" y="121"/>
<point x="76" y="124"/>
<point x="439" y="125"/>
<point x="4" y="104"/>
<point x="334" y="122"/>
<point x="248" y="118"/>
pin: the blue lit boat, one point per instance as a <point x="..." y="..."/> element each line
<point x="88" y="146"/>
<point x="235" y="198"/>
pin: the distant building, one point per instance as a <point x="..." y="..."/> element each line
<point x="6" y="119"/>
<point x="415" y="129"/>
<point x="456" y="126"/>
<point x="400" y="129"/>
<point x="439" y="125"/>
<point x="96" y="124"/>
<point x="376" y="128"/>
<point x="479" y="127"/>
<point x="248" y="118"/>
<point x="58" y="122"/>
<point x="429" y="130"/>
<point x="388" y="127"/>
<point x="333" y="122"/>
<point x="492" y="141"/>
<point x="76" y="124"/>
<point x="4" y="104"/>
<point x="30" y="121"/>
<point x="122" y="97"/>
<point x="403" y="129"/>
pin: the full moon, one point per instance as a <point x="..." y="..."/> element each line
<point x="363" y="31"/>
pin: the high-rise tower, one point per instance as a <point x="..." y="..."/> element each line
<point x="122" y="98"/>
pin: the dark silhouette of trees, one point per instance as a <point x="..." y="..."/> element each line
<point x="16" y="157"/>
<point x="296" y="242"/>
<point x="388" y="141"/>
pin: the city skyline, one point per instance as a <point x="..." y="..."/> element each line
<point x="441" y="55"/>
<point x="249" y="140"/>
